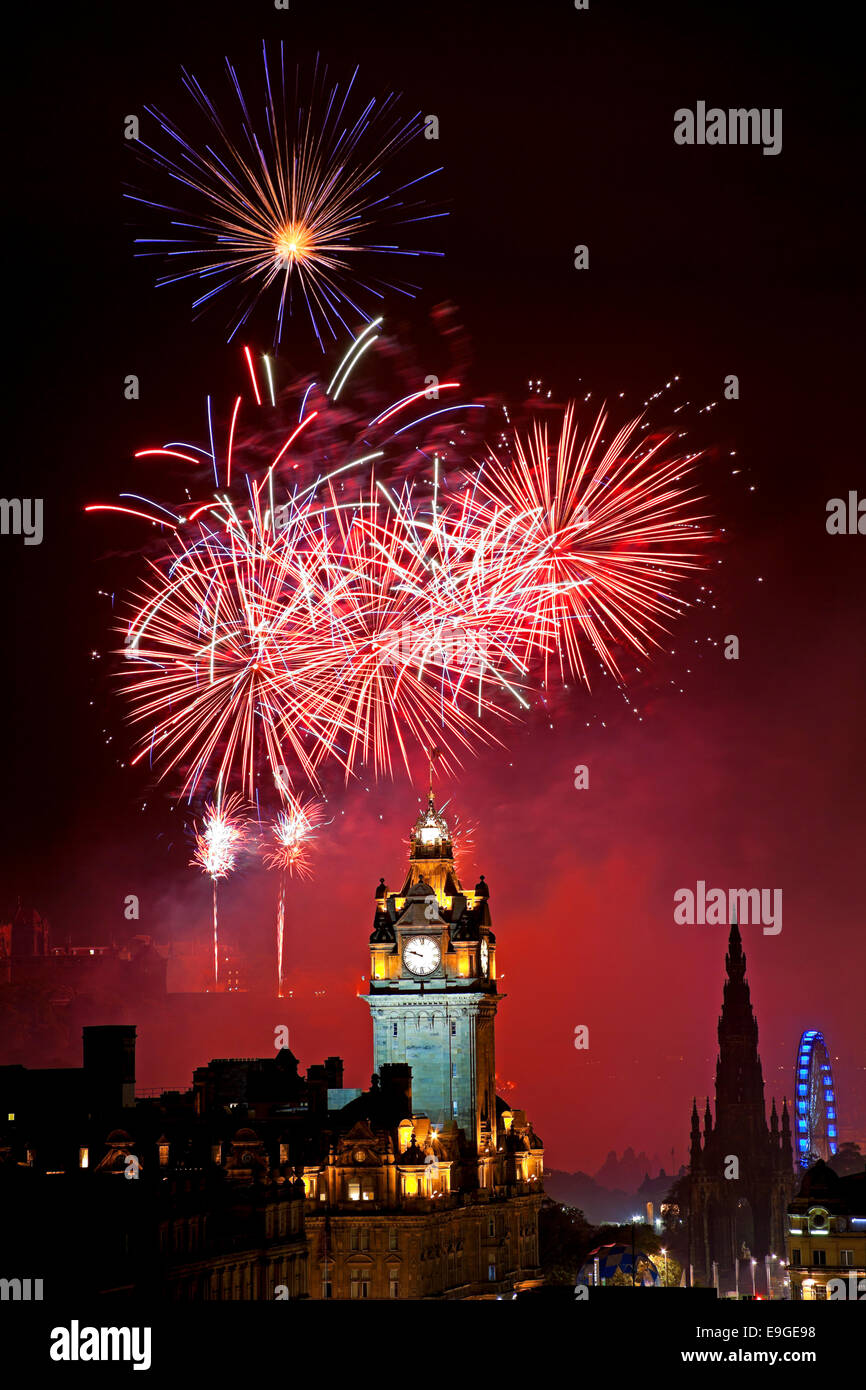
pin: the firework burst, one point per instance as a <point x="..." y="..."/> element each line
<point x="217" y="846"/>
<point x="588" y="542"/>
<point x="291" y="206"/>
<point x="356" y="589"/>
<point x="289" y="852"/>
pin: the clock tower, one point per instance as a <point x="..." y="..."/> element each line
<point x="433" y="993"/>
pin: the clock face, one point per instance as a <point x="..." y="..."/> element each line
<point x="485" y="955"/>
<point x="359" y="1155"/>
<point x="421" y="955"/>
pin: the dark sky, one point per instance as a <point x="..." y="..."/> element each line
<point x="556" y="128"/>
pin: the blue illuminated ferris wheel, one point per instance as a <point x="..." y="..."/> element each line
<point x="816" y="1101"/>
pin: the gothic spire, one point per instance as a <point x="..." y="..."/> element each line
<point x="696" y="1135"/>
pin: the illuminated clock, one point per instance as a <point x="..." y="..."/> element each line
<point x="359" y="1155"/>
<point x="484" y="953"/>
<point x="421" y="955"/>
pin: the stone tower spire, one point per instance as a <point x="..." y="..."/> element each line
<point x="747" y="1206"/>
<point x="696" y="1136"/>
<point x="739" y="1076"/>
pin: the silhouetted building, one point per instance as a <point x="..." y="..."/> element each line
<point x="741" y="1170"/>
<point x="259" y="1182"/>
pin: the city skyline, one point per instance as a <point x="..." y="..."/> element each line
<point x="432" y="461"/>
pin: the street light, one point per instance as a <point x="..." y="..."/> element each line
<point x="754" y="1262"/>
<point x="665" y="1253"/>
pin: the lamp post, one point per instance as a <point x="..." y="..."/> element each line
<point x="665" y="1253"/>
<point x="754" y="1262"/>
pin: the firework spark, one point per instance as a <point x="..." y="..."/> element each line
<point x="355" y="588"/>
<point x="217" y="846"/>
<point x="292" y="831"/>
<point x="296" y="202"/>
<point x="590" y="542"/>
<point x="308" y="620"/>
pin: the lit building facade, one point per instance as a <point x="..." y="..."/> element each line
<point x="826" y="1237"/>
<point x="431" y="1184"/>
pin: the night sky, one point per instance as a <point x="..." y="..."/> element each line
<point x="556" y="128"/>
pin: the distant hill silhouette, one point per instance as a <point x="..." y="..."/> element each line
<point x="618" y="1191"/>
<point x="627" y="1173"/>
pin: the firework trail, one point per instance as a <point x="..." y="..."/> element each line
<point x="355" y="588"/>
<point x="292" y="831"/>
<point x="588" y="542"/>
<point x="218" y="844"/>
<point x="299" y="201"/>
<point x="275" y="627"/>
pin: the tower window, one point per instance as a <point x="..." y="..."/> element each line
<point x="453" y="1029"/>
<point x="491" y="1272"/>
<point x="453" y="1069"/>
<point x="454" y="1107"/>
<point x="395" y="1030"/>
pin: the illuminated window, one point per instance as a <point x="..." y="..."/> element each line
<point x="84" y="1158"/>
<point x="454" y="1107"/>
<point x="11" y="1116"/>
<point x="354" y="1192"/>
<point x="369" y="1194"/>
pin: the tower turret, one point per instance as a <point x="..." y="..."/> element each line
<point x="433" y="994"/>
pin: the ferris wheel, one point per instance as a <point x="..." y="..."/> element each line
<point x="816" y="1101"/>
